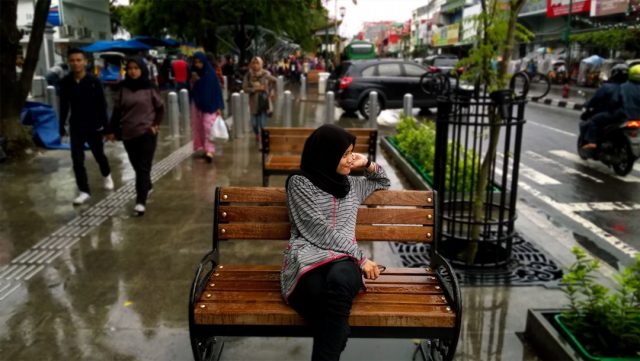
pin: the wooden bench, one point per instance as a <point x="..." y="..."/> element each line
<point x="245" y="300"/>
<point x="282" y="148"/>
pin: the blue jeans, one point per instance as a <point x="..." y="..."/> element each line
<point x="258" y="121"/>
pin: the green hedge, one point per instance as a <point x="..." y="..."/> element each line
<point x="417" y="142"/>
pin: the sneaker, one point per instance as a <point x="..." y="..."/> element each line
<point x="139" y="209"/>
<point x="107" y="182"/>
<point x="81" y="198"/>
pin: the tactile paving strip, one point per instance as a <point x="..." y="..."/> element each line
<point x="29" y="263"/>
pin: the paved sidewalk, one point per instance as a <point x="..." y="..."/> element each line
<point x="96" y="283"/>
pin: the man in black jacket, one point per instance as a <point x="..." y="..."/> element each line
<point x="82" y="94"/>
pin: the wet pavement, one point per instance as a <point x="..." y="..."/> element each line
<point x="96" y="283"/>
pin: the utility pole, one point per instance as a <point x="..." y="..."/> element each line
<point x="567" y="34"/>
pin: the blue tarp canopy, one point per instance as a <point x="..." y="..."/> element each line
<point x="116" y="45"/>
<point x="172" y="43"/>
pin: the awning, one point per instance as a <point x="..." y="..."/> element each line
<point x="116" y="45"/>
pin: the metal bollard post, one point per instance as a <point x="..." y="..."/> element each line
<point x="185" y="110"/>
<point x="408" y="104"/>
<point x="52" y="99"/>
<point x="288" y="108"/>
<point x="225" y="95"/>
<point x="236" y="112"/>
<point x="330" y="107"/>
<point x="303" y="87"/>
<point x="246" y="113"/>
<point x="174" y="114"/>
<point x="280" y="86"/>
<point x="373" y="106"/>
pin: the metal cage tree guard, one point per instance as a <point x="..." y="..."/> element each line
<point x="462" y="141"/>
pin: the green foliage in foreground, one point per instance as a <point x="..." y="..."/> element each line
<point x="417" y="141"/>
<point x="606" y="324"/>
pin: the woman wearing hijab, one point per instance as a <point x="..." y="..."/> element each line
<point x="258" y="82"/>
<point x="137" y="112"/>
<point x="206" y="103"/>
<point x="323" y="265"/>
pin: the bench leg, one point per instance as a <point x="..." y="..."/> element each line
<point x="265" y="180"/>
<point x="206" y="347"/>
<point x="434" y="350"/>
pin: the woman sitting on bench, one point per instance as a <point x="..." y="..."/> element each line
<point x="323" y="266"/>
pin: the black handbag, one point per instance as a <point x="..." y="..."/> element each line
<point x="263" y="103"/>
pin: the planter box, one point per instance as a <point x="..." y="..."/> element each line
<point x="415" y="178"/>
<point x="553" y="342"/>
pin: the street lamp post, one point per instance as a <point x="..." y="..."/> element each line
<point x="326" y="40"/>
<point x="568" y="32"/>
<point x="343" y="11"/>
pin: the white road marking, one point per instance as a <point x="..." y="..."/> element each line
<point x="568" y="210"/>
<point x="534" y="175"/>
<point x="554" y="129"/>
<point x="562" y="167"/>
<point x="603" y="206"/>
<point x="595" y="165"/>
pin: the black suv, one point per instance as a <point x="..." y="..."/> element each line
<point x="390" y="78"/>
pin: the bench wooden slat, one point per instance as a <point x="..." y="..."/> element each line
<point x="294" y="145"/>
<point x="362" y="314"/>
<point x="278" y="195"/>
<point x="260" y="214"/>
<point x="422" y="289"/>
<point x="268" y="296"/>
<point x="275" y="276"/>
<point x="282" y="231"/>
<point x="276" y="131"/>
<point x="276" y="268"/>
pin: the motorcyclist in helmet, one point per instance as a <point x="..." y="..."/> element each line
<point x="630" y="94"/>
<point x="604" y="107"/>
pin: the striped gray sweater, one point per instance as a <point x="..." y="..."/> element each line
<point x="323" y="227"/>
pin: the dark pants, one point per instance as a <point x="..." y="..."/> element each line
<point x="323" y="297"/>
<point x="594" y="128"/>
<point x="94" y="139"/>
<point x="140" y="151"/>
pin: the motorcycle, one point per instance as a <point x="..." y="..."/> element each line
<point x="618" y="148"/>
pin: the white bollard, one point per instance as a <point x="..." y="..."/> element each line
<point x="288" y="108"/>
<point x="373" y="106"/>
<point x="236" y="112"/>
<point x="174" y="114"/>
<point x="303" y="87"/>
<point x="185" y="110"/>
<point x="280" y="86"/>
<point x="330" y="107"/>
<point x="323" y="77"/>
<point x="246" y="112"/>
<point x="52" y="99"/>
<point x="408" y="104"/>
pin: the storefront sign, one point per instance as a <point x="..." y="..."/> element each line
<point x="561" y="7"/>
<point x="453" y="34"/>
<point x="608" y="7"/>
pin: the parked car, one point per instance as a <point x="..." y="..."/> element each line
<point x="390" y="78"/>
<point x="441" y="63"/>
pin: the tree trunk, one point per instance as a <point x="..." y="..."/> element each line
<point x="478" y="206"/>
<point x="14" y="91"/>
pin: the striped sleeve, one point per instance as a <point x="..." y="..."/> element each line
<point x="370" y="183"/>
<point x="306" y="214"/>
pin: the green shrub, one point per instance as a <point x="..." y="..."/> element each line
<point x="605" y="324"/>
<point x="417" y="142"/>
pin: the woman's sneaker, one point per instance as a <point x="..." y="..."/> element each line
<point x="107" y="182"/>
<point x="81" y="198"/>
<point x="139" y="209"/>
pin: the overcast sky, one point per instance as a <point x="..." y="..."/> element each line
<point x="365" y="10"/>
<point x="371" y="10"/>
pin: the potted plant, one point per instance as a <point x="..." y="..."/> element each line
<point x="601" y="325"/>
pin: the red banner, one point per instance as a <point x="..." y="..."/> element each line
<point x="561" y="7"/>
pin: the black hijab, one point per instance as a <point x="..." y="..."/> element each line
<point x="321" y="155"/>
<point x="143" y="81"/>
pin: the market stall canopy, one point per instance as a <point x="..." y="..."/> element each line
<point x="168" y="42"/>
<point x="116" y="45"/>
<point x="594" y="60"/>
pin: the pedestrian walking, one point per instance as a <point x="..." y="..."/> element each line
<point x="206" y="104"/>
<point x="137" y="112"/>
<point x="180" y="70"/>
<point x="323" y="266"/>
<point x="153" y="69"/>
<point x="82" y="95"/>
<point x="259" y="84"/>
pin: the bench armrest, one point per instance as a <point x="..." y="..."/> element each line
<point x="200" y="279"/>
<point x="449" y="281"/>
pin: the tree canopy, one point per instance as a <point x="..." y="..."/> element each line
<point x="201" y="21"/>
